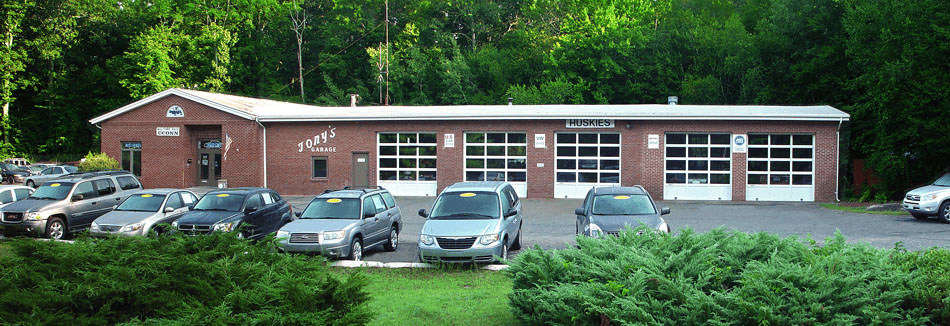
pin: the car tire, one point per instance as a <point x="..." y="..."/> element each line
<point x="393" y="240"/>
<point x="29" y="183"/>
<point x="55" y="229"/>
<point x="516" y="245"/>
<point x="356" y="250"/>
<point x="919" y="216"/>
<point x="504" y="251"/>
<point x="944" y="213"/>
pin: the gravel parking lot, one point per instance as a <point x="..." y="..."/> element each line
<point x="549" y="223"/>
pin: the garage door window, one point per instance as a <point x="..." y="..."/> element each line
<point x="698" y="158"/>
<point x="407" y="156"/>
<point x="781" y="159"/>
<point x="587" y="157"/>
<point x="496" y="156"/>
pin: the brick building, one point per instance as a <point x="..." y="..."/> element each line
<point x="184" y="138"/>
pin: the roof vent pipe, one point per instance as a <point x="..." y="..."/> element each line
<point x="353" y="99"/>
<point x="511" y="101"/>
<point x="672" y="100"/>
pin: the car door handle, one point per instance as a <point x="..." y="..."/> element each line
<point x="93" y="203"/>
<point x="376" y="219"/>
<point x="118" y="198"/>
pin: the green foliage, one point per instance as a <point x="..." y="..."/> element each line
<point x="172" y="280"/>
<point x="720" y="278"/>
<point x="98" y="162"/>
<point x="932" y="287"/>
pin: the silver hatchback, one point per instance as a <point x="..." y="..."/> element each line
<point x="142" y="211"/>
<point x="471" y="222"/>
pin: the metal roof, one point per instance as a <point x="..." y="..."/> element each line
<point x="275" y="111"/>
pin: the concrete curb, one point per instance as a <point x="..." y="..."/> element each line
<point x="376" y="264"/>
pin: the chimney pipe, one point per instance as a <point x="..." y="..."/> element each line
<point x="672" y="100"/>
<point x="353" y="99"/>
<point x="511" y="101"/>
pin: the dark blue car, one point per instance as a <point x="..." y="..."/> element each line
<point x="251" y="212"/>
<point x="609" y="210"/>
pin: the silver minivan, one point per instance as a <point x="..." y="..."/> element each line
<point x="471" y="222"/>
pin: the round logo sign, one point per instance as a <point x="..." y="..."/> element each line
<point x="175" y="111"/>
<point x="740" y="140"/>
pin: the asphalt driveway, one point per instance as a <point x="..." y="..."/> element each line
<point x="549" y="223"/>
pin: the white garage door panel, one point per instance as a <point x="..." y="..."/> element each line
<point x="575" y="190"/>
<point x="418" y="188"/>
<point x="698" y="166"/>
<point x="497" y="156"/>
<point x="780" y="167"/>
<point x="407" y="163"/>
<point x="697" y="192"/>
<point x="584" y="160"/>
<point x="776" y="193"/>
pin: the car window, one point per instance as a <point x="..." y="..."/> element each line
<point x="142" y="203"/>
<point x="512" y="195"/>
<point x="22" y="193"/>
<point x="58" y="171"/>
<point x="622" y="205"/>
<point x="86" y="190"/>
<point x="71" y="169"/>
<point x="220" y="202"/>
<point x="128" y="182"/>
<point x="590" y="196"/>
<point x="368" y="206"/>
<point x="174" y="201"/>
<point x="333" y="208"/>
<point x="255" y="201"/>
<point x="380" y="205"/>
<point x="943" y="181"/>
<point x="6" y="197"/>
<point x="105" y="187"/>
<point x="465" y="205"/>
<point x="187" y="198"/>
<point x="47" y="171"/>
<point x="276" y="196"/>
<point x="268" y="199"/>
<point x="389" y="200"/>
<point x="505" y="202"/>
<point x="52" y="190"/>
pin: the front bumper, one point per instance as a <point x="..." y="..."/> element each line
<point x="330" y="248"/>
<point x="30" y="227"/>
<point x="476" y="254"/>
<point x="929" y="207"/>
<point x="98" y="232"/>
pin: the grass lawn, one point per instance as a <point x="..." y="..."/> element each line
<point x="861" y="209"/>
<point x="436" y="296"/>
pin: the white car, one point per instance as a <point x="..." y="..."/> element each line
<point x="12" y="193"/>
<point x="930" y="200"/>
<point x="50" y="173"/>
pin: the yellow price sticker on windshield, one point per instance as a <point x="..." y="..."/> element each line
<point x="223" y="195"/>
<point x="54" y="185"/>
<point x="467" y="194"/>
<point x="334" y="200"/>
<point x="146" y="196"/>
<point x="621" y="197"/>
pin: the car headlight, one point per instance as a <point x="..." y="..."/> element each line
<point x="283" y="234"/>
<point x="131" y="227"/>
<point x="34" y="216"/>
<point x="426" y="239"/>
<point x="665" y="228"/>
<point x="333" y="235"/>
<point x="225" y="227"/>
<point x="928" y="197"/>
<point x="488" y="239"/>
<point x="175" y="224"/>
<point x="595" y="231"/>
<point x="94" y="226"/>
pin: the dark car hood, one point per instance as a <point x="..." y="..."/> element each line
<point x="614" y="223"/>
<point x="206" y="217"/>
<point x="30" y="205"/>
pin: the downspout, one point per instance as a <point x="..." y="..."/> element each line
<point x="256" y="119"/>
<point x="838" y="159"/>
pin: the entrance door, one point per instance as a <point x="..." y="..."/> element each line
<point x="209" y="162"/>
<point x="361" y="170"/>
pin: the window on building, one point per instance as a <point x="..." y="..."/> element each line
<point x="407" y="156"/>
<point x="781" y="159"/>
<point x="319" y="167"/>
<point x="496" y="156"/>
<point x="698" y="158"/>
<point x="587" y="157"/>
<point x="132" y="157"/>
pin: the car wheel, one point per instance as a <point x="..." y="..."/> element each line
<point x="944" y="212"/>
<point x="919" y="216"/>
<point x="29" y="183"/>
<point x="240" y="235"/>
<point x="393" y="240"/>
<point x="55" y="229"/>
<point x="504" y="251"/>
<point x="356" y="250"/>
<point x="517" y="244"/>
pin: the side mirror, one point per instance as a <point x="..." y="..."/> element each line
<point x="77" y="197"/>
<point x="250" y="209"/>
<point x="579" y="211"/>
<point x="423" y="213"/>
<point x="169" y="209"/>
<point x="368" y="214"/>
<point x="510" y="213"/>
<point x="191" y="207"/>
<point x="297" y="214"/>
<point x="664" y="210"/>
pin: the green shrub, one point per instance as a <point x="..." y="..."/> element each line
<point x="932" y="287"/>
<point x="98" y="162"/>
<point x="715" y="278"/>
<point x="172" y="280"/>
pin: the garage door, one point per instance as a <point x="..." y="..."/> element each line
<point x="497" y="156"/>
<point x="406" y="165"/>
<point x="585" y="160"/>
<point x="698" y="166"/>
<point x="781" y="167"/>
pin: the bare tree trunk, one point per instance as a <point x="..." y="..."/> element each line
<point x="299" y="19"/>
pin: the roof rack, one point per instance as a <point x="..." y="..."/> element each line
<point x="364" y="190"/>
<point x="93" y="174"/>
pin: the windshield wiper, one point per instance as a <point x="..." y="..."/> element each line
<point x="468" y="215"/>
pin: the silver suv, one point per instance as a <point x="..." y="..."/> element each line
<point x="68" y="204"/>
<point x="342" y="223"/>
<point x="930" y="200"/>
<point x="471" y="222"/>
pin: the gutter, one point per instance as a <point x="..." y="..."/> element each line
<point x="265" y="148"/>
<point x="838" y="159"/>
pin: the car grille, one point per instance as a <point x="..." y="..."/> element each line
<point x="305" y="238"/>
<point x="13" y="217"/>
<point x="192" y="229"/>
<point x="476" y="259"/>
<point x="456" y="243"/>
<point x="913" y="197"/>
<point x="616" y="234"/>
<point x="110" y="228"/>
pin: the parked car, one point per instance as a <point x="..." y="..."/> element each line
<point x="249" y="212"/>
<point x="68" y="204"/>
<point x="142" y="211"/>
<point x="472" y="222"/>
<point x="12" y="193"/>
<point x="48" y="174"/>
<point x="17" y="161"/>
<point x="930" y="200"/>
<point x="344" y="223"/>
<point x="609" y="210"/>
<point x="13" y="174"/>
<point x="36" y="168"/>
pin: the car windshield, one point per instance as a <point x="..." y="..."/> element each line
<point x="52" y="190"/>
<point x="943" y="181"/>
<point x="37" y="169"/>
<point x="622" y="205"/>
<point x="333" y="208"/>
<point x="465" y="206"/>
<point x="12" y="167"/>
<point x="142" y="203"/>
<point x="220" y="202"/>
<point x="70" y="169"/>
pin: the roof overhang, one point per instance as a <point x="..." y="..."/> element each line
<point x="169" y="92"/>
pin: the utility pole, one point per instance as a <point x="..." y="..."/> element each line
<point x="387" y="53"/>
